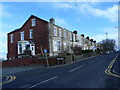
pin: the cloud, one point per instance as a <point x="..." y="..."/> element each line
<point x="111" y="32"/>
<point x="63" y="5"/>
<point x="64" y="24"/>
<point x="3" y="11"/>
<point x="111" y="13"/>
<point x="3" y="45"/>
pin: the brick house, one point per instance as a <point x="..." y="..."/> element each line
<point x="36" y="35"/>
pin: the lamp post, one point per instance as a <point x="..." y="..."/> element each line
<point x="118" y="38"/>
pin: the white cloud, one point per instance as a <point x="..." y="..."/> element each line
<point x="63" y="5"/>
<point x="110" y="13"/>
<point x="62" y="23"/>
<point x="3" y="45"/>
<point x="3" y="10"/>
<point x="111" y="32"/>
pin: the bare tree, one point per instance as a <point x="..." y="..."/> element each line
<point x="107" y="45"/>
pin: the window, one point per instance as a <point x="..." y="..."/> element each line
<point x="59" y="45"/>
<point x="22" y="35"/>
<point x="70" y="34"/>
<point x="73" y="37"/>
<point x="60" y="33"/>
<point x="65" y="33"/>
<point x="31" y="33"/>
<point x="55" y="45"/>
<point x="11" y="38"/>
<point x="34" y="22"/>
<point x="65" y="46"/>
<point x="55" y="31"/>
<point x="20" y="48"/>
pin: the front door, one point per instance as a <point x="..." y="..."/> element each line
<point x="33" y="49"/>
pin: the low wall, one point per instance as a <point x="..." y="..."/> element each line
<point x="52" y="61"/>
<point x="69" y="58"/>
<point x="26" y="61"/>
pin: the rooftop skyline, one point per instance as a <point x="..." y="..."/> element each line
<point x="92" y="19"/>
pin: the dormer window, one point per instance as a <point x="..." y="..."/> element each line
<point x="33" y="22"/>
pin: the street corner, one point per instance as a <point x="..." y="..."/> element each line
<point x="7" y="79"/>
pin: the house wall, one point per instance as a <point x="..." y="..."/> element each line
<point x="40" y="37"/>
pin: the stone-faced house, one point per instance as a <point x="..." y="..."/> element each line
<point x="37" y="35"/>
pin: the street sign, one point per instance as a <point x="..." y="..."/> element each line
<point x="45" y="51"/>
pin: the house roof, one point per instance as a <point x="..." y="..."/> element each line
<point x="26" y="22"/>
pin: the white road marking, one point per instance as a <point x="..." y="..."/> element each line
<point x="7" y="78"/>
<point x="43" y="81"/>
<point x="76" y="68"/>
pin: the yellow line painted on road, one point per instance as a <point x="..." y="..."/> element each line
<point x="108" y="70"/>
<point x="8" y="81"/>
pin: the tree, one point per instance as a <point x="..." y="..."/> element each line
<point x="107" y="45"/>
<point x="76" y="49"/>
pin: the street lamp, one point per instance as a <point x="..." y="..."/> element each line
<point x="118" y="38"/>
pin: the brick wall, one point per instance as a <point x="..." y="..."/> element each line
<point x="26" y="61"/>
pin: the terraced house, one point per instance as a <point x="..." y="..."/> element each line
<point x="37" y="35"/>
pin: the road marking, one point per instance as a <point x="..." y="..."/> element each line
<point x="7" y="78"/>
<point x="108" y="70"/>
<point x="76" y="68"/>
<point x="8" y="81"/>
<point x="43" y="82"/>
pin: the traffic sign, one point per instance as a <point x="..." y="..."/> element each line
<point x="45" y="51"/>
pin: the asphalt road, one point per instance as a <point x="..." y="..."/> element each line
<point x="89" y="73"/>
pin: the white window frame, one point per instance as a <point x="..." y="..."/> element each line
<point x="12" y="38"/>
<point x="60" y="33"/>
<point x="55" y="48"/>
<point x="33" y="22"/>
<point x="55" y="31"/>
<point x="59" y="45"/>
<point x="73" y="37"/>
<point x="22" y="35"/>
<point x="31" y="33"/>
<point x="70" y="35"/>
<point x="65" y="34"/>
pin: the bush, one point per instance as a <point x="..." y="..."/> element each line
<point x="87" y="51"/>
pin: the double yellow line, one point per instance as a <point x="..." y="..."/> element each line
<point x="109" y="68"/>
<point x="10" y="80"/>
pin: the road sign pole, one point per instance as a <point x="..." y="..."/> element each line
<point x="45" y="51"/>
<point x="47" y="60"/>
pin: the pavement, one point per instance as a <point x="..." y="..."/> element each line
<point x="12" y="70"/>
<point x="89" y="73"/>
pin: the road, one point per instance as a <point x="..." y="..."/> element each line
<point x="89" y="73"/>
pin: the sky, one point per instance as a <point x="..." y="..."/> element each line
<point x="92" y="19"/>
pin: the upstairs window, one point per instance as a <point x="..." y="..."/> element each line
<point x="12" y="38"/>
<point x="34" y="22"/>
<point x="65" y="34"/>
<point x="31" y="33"/>
<point x="55" y="31"/>
<point x="22" y="35"/>
<point x="60" y="33"/>
<point x="73" y="37"/>
<point x="70" y="36"/>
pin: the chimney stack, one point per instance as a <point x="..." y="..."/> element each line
<point x="82" y="35"/>
<point x="87" y="37"/>
<point x="52" y="20"/>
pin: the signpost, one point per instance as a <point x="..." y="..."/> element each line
<point x="45" y="51"/>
